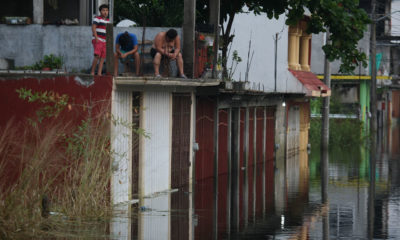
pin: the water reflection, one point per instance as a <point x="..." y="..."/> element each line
<point x="356" y="197"/>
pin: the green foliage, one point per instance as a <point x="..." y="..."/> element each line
<point x="53" y="102"/>
<point x="152" y="13"/>
<point x="49" y="61"/>
<point x="316" y="105"/>
<point x="344" y="19"/>
<point x="236" y="59"/>
<point x="344" y="133"/>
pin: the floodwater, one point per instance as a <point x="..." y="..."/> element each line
<point x="360" y="199"/>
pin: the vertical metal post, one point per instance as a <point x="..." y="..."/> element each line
<point x="235" y="161"/>
<point x="373" y="110"/>
<point x="254" y="162"/>
<point x="373" y="125"/>
<point x="325" y="107"/>
<point x="246" y="171"/>
<point x="371" y="191"/>
<point x="189" y="19"/>
<point x="324" y="193"/>
<point x="110" y="49"/>
<point x="214" y="19"/>
<point x="264" y="159"/>
<point x="229" y="190"/>
<point x="216" y="150"/>
<point x="276" y="59"/>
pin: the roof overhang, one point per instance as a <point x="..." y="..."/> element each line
<point x="152" y="83"/>
<point x="314" y="87"/>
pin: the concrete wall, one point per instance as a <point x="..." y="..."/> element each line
<point x="317" y="55"/>
<point x="29" y="43"/>
<point x="395" y="18"/>
<point x="262" y="31"/>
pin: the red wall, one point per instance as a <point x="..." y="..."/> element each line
<point x="12" y="107"/>
<point x="259" y="160"/>
<point x="241" y="172"/>
<point x="269" y="159"/>
<point x="250" y="166"/>
<point x="204" y="189"/>
<point x="222" y="172"/>
<point x="17" y="111"/>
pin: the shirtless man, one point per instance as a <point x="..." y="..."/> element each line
<point x="167" y="45"/>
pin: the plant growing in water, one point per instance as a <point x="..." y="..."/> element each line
<point x="59" y="163"/>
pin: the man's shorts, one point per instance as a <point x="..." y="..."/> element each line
<point x="153" y="53"/>
<point x="130" y="58"/>
<point x="99" y="48"/>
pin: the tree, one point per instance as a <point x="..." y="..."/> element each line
<point x="151" y="13"/>
<point x="344" y="19"/>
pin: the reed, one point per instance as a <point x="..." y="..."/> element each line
<point x="54" y="176"/>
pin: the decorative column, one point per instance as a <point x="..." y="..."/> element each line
<point x="304" y="48"/>
<point x="293" y="48"/>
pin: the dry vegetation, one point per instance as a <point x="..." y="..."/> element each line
<point x="55" y="176"/>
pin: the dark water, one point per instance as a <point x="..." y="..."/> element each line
<point x="362" y="201"/>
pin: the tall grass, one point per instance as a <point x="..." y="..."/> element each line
<point x="53" y="175"/>
<point x="343" y="133"/>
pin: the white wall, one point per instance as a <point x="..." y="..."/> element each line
<point x="395" y="18"/>
<point x="155" y="162"/>
<point x="121" y="135"/>
<point x="262" y="31"/>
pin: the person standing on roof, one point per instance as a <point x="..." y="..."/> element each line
<point x="99" y="39"/>
<point x="167" y="45"/>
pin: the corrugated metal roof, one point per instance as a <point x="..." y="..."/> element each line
<point x="314" y="86"/>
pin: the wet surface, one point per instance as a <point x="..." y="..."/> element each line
<point x="282" y="202"/>
<point x="293" y="207"/>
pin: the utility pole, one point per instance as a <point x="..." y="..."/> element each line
<point x="325" y="106"/>
<point x="189" y="19"/>
<point x="373" y="122"/>
<point x="214" y="19"/>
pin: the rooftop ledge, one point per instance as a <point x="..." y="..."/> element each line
<point x="164" y="82"/>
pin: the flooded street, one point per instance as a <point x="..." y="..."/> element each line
<point x="292" y="207"/>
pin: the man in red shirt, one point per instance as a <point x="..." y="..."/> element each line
<point x="99" y="39"/>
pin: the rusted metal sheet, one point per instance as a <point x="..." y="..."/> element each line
<point x="222" y="171"/>
<point x="293" y="129"/>
<point x="396" y="104"/>
<point x="155" y="162"/>
<point x="250" y="165"/>
<point x="180" y="164"/>
<point x="136" y="102"/>
<point x="96" y="95"/>
<point x="205" y="137"/>
<point x="304" y="125"/>
<point x="204" y="163"/>
<point x="269" y="159"/>
<point x="242" y="167"/>
<point x="259" y="164"/>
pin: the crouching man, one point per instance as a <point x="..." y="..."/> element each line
<point x="126" y="50"/>
<point x="167" y="45"/>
